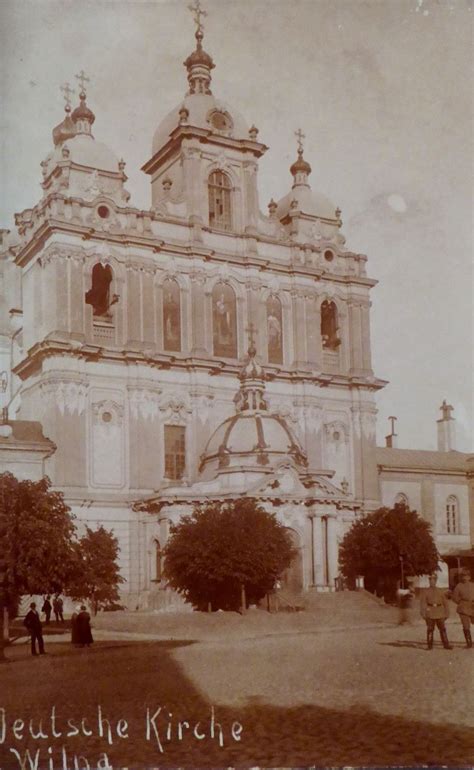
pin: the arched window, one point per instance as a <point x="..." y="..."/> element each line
<point x="329" y="326"/>
<point x="401" y="499"/>
<point x="224" y="321"/>
<point x="171" y="316"/>
<point x="452" y="515"/>
<point x="274" y="331"/>
<point x="99" y="294"/>
<point x="220" y="209"/>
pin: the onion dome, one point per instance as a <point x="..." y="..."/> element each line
<point x="199" y="65"/>
<point x="64" y="130"/>
<point x="82" y="116"/>
<point x="302" y="198"/>
<point x="300" y="169"/>
<point x="253" y="439"/>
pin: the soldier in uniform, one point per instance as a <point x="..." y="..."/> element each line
<point x="434" y="609"/>
<point x="463" y="595"/>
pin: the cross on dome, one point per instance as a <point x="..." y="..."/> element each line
<point x="68" y="92"/>
<point x="300" y="136"/>
<point x="83" y="79"/>
<point x="197" y="12"/>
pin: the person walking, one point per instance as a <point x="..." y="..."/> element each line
<point x="463" y="596"/>
<point x="83" y="628"/>
<point x="33" y="624"/>
<point x="58" y="609"/>
<point x="434" y="609"/>
<point x="46" y="608"/>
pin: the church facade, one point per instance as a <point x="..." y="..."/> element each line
<point x="200" y="349"/>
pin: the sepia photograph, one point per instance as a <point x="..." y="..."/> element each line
<point x="236" y="384"/>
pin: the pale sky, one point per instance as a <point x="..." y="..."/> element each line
<point x="381" y="88"/>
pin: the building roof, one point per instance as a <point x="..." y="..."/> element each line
<point x="420" y="459"/>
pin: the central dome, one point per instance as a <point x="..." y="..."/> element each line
<point x="254" y="440"/>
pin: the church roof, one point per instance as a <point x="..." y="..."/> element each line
<point x="85" y="151"/>
<point x="420" y="459"/>
<point x="200" y="109"/>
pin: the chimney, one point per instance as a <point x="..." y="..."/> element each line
<point x="391" y="441"/>
<point x="446" y="429"/>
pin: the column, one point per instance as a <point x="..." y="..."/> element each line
<point x="147" y="303"/>
<point x="366" y="347"/>
<point x="76" y="298"/>
<point x="333" y="550"/>
<point x="355" y="337"/>
<point x="298" y="300"/>
<point x="313" y="333"/>
<point x="198" y="313"/>
<point x="312" y="578"/>
<point x="250" y="192"/>
<point x="133" y="306"/>
<point x="192" y="183"/>
<point x="319" y="551"/>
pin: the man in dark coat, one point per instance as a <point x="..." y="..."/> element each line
<point x="83" y="628"/>
<point x="434" y="608"/>
<point x="46" y="608"/>
<point x="58" y="609"/>
<point x="33" y="624"/>
<point x="463" y="595"/>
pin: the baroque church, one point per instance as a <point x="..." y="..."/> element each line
<point x="201" y="350"/>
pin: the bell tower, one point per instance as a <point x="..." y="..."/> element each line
<point x="204" y="160"/>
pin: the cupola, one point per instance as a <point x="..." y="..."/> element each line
<point x="253" y="439"/>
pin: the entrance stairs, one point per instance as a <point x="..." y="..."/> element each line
<point x="351" y="607"/>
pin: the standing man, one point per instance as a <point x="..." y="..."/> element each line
<point x="434" y="609"/>
<point x="46" y="608"/>
<point x="33" y="624"/>
<point x="58" y="608"/>
<point x="463" y="595"/>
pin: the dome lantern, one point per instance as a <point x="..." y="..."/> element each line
<point x="199" y="64"/>
<point x="300" y="169"/>
<point x="83" y="117"/>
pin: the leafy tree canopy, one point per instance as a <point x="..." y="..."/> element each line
<point x="96" y="574"/>
<point x="221" y="547"/>
<point x="36" y="537"/>
<point x="375" y="544"/>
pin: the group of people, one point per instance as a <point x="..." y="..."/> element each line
<point x="81" y="634"/>
<point x="57" y="607"/>
<point x="434" y="608"/>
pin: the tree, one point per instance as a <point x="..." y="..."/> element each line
<point x="223" y="550"/>
<point x="378" y="544"/>
<point x="96" y="574"/>
<point x="36" y="541"/>
<point x="36" y="537"/>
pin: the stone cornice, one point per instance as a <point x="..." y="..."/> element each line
<point x="173" y="145"/>
<point x="89" y="352"/>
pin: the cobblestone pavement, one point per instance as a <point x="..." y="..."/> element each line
<point x="366" y="696"/>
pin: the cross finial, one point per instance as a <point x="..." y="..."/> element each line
<point x="68" y="92"/>
<point x="300" y="136"/>
<point x="83" y="79"/>
<point x="446" y="410"/>
<point x="197" y="12"/>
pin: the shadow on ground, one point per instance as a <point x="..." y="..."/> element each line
<point x="124" y="679"/>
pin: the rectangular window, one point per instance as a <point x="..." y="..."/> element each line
<point x="175" y="451"/>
